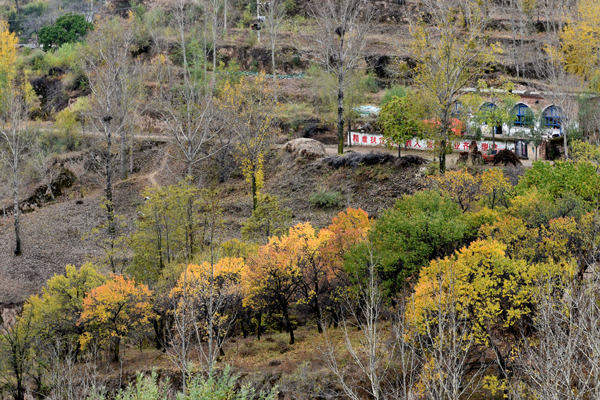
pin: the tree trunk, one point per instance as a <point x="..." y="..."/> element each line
<point x="258" y="322"/>
<point x="273" y="64"/>
<point x="109" y="194"/>
<point x="340" y="113"/>
<point x="443" y="156"/>
<point x="566" y="147"/>
<point x="16" y="211"/>
<point x="117" y="349"/>
<point x="319" y="318"/>
<point x="123" y="157"/>
<point x="214" y="29"/>
<point x="399" y="150"/>
<point x="254" y="193"/>
<point x="289" y="328"/>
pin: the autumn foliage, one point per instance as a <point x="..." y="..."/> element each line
<point x="113" y="310"/>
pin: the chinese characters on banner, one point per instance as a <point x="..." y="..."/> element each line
<point x="374" y="139"/>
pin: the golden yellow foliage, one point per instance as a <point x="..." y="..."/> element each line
<point x="8" y="54"/>
<point x="466" y="189"/>
<point x="480" y="281"/>
<point x="113" y="309"/>
<point x="578" y="48"/>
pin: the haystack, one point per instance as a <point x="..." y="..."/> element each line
<point x="305" y="148"/>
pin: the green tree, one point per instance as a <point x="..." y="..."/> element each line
<point x="580" y="178"/>
<point x="401" y="119"/>
<point x="56" y="312"/>
<point x="498" y="110"/>
<point x="169" y="228"/>
<point x="268" y="219"/>
<point x="69" y="28"/>
<point x="419" y="228"/>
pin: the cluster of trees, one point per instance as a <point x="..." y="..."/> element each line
<point x="474" y="285"/>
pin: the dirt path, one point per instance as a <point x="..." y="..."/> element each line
<point x="152" y="175"/>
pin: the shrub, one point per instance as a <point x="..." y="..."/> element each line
<point x="371" y="83"/>
<point x="394" y="91"/>
<point x="327" y="199"/>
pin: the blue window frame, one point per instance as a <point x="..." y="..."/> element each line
<point x="523" y="115"/>
<point x="552" y="117"/>
<point x="456" y="109"/>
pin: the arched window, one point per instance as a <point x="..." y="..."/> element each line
<point x="523" y="115"/>
<point x="487" y="106"/>
<point x="552" y="117"/>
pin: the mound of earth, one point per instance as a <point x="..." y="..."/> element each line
<point x="506" y="156"/>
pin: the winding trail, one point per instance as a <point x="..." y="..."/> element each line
<point x="163" y="163"/>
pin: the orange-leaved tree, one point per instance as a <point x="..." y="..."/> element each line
<point x="347" y="229"/>
<point x="111" y="311"/>
<point x="55" y="312"/>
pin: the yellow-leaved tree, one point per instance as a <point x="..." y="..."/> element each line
<point x="206" y="298"/>
<point x="111" y="311"/>
<point x="490" y="187"/>
<point x="249" y="108"/>
<point x="578" y="48"/>
<point x="480" y="283"/>
<point x="8" y="55"/>
<point x="273" y="276"/>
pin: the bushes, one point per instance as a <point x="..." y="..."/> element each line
<point x="394" y="91"/>
<point x="327" y="199"/>
<point x="216" y="386"/>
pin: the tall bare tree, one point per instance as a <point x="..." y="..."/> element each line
<point x="114" y="80"/>
<point x="274" y="15"/>
<point x="561" y="89"/>
<point x="374" y="353"/>
<point x="187" y="105"/>
<point x="338" y="43"/>
<point x="17" y="135"/>
<point x="446" y="345"/>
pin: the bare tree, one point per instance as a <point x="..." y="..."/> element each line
<point x="275" y="13"/>
<point x="17" y="135"/>
<point x="338" y="43"/>
<point x="4" y="189"/>
<point x="373" y="354"/>
<point x="16" y="345"/>
<point x="114" y="80"/>
<point x="559" y="350"/>
<point x="187" y="107"/>
<point x="42" y="162"/>
<point x="449" y="368"/>
<point x="561" y="89"/>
